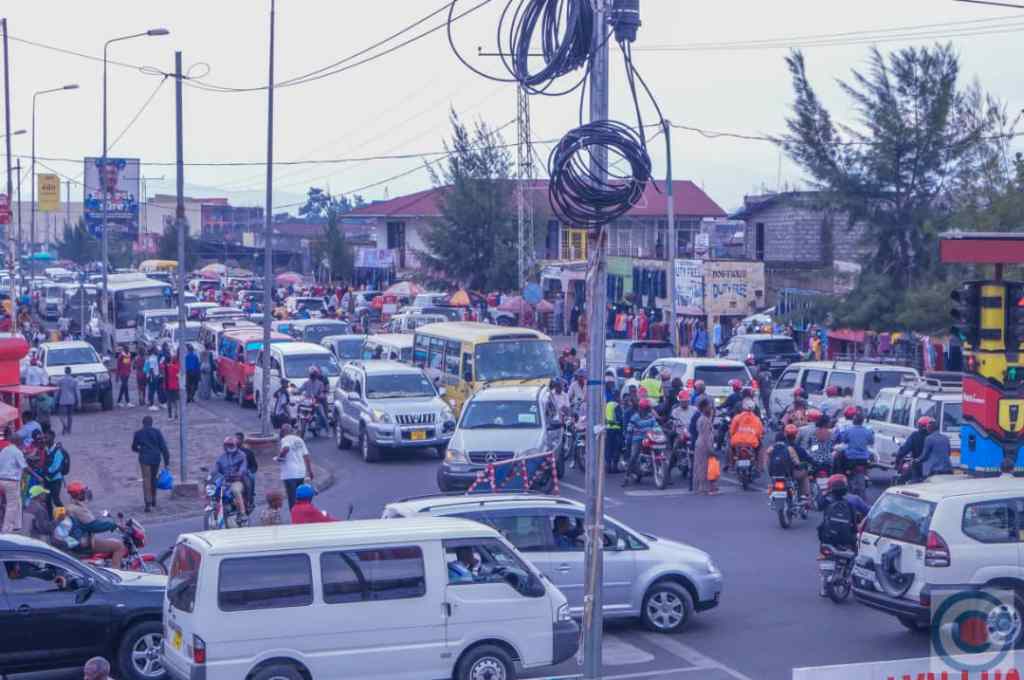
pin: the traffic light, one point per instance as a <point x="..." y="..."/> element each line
<point x="966" y="313"/>
<point x="1014" y="322"/>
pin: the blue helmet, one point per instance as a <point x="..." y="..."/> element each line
<point x="305" y="492"/>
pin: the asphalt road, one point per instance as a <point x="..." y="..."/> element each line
<point x="771" y="618"/>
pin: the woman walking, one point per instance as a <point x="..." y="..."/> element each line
<point x="704" y="448"/>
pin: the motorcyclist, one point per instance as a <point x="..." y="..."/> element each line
<point x="748" y="393"/>
<point x="316" y="389"/>
<point x="558" y="401"/>
<point x="641" y="422"/>
<point x="610" y="382"/>
<point x="670" y="397"/>
<point x="935" y="457"/>
<point x="913" y="448"/>
<point x="733" y="404"/>
<point x="745" y="430"/>
<point x="796" y="413"/>
<point x="578" y="390"/>
<point x="806" y="433"/>
<point x="789" y="459"/>
<point x="833" y="402"/>
<point x="837" y="489"/>
<point x="821" y="437"/>
<point x="858" y="439"/>
<point x="681" y="416"/>
<point x="698" y="391"/>
<point x="86" y="521"/>
<point x="233" y="466"/>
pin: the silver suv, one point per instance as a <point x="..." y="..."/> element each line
<point x="387" y="404"/>
<point x="661" y="582"/>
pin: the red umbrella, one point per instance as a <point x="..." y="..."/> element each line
<point x="545" y="307"/>
<point x="288" y="278"/>
<point x="514" y="304"/>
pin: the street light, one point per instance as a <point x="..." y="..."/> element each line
<point x="104" y="238"/>
<point x="32" y="218"/>
<point x="16" y="133"/>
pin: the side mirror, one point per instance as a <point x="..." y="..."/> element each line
<point x="533" y="587"/>
<point x="83" y="588"/>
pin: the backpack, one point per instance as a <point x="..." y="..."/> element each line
<point x="836" y="526"/>
<point x="779" y="461"/>
<point x="65" y="463"/>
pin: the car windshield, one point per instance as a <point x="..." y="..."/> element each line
<point x="397" y="386"/>
<point x="297" y="366"/>
<point x="900" y="517"/>
<point x="154" y="322"/>
<point x="71" y="356"/>
<point x="128" y="303"/>
<point x="349" y="349"/>
<point x="310" y="304"/>
<point x="191" y="334"/>
<point x="645" y="354"/>
<point x="772" y="347"/>
<point x="876" y="380"/>
<point x="719" y="376"/>
<point x="615" y="352"/>
<point x="952" y="417"/>
<point x="515" y="360"/>
<point x="483" y="414"/>
<point x="320" y="331"/>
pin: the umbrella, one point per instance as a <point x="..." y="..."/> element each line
<point x="209" y="275"/>
<point x="404" y="289"/>
<point x="215" y="268"/>
<point x="545" y="307"/>
<point x="288" y="278"/>
<point x="515" y="304"/>
<point x="464" y="298"/>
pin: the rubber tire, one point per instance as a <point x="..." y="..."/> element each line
<point x="368" y="451"/>
<point x="665" y="477"/>
<point x="744" y="481"/>
<point x="241" y="398"/>
<point x="340" y="440"/>
<point x="679" y="592"/>
<point x="475" y="654"/>
<point x="785" y="521"/>
<point x="838" y="596"/>
<point x="911" y="625"/>
<point x="278" y="670"/>
<point x="124" y="648"/>
<point x="107" y="400"/>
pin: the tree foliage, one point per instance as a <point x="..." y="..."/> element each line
<point x="78" y="245"/>
<point x="474" y="241"/>
<point x="320" y="205"/>
<point x="167" y="247"/>
<point x="323" y="208"/>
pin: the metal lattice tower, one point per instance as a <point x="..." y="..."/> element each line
<point x="524" y="183"/>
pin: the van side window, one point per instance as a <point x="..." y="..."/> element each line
<point x="994" y="521"/>
<point x="814" y="381"/>
<point x="373" y="575"/>
<point x="421" y="349"/>
<point x="482" y="560"/>
<point x="926" y="407"/>
<point x="453" y="351"/>
<point x="467" y="367"/>
<point x="901" y="411"/>
<point x="788" y="380"/>
<point x="271" y="582"/>
<point x="528" y="532"/>
<point x="842" y="380"/>
<point x="436" y="354"/>
<point x="881" y="408"/>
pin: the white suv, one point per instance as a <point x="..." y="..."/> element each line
<point x="949" y="533"/>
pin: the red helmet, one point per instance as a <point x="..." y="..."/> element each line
<point x="736" y="384"/>
<point x="850" y="412"/>
<point x="644" y="404"/>
<point x="813" y="415"/>
<point x="836" y="482"/>
<point x="924" y="421"/>
<point x="799" y="393"/>
<point x="642" y="392"/>
<point x="698" y="385"/>
<point x="683" y="396"/>
<point x="230" y="441"/>
<point x="790" y="431"/>
<point x="77" y="489"/>
<point x="832" y="391"/>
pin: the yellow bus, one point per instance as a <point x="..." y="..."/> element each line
<point x="463" y="357"/>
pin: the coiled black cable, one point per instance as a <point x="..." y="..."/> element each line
<point x="579" y="197"/>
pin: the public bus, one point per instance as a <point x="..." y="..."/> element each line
<point x="465" y="356"/>
<point x="129" y="295"/>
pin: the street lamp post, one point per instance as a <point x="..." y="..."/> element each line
<point x="32" y="217"/>
<point x="104" y="237"/>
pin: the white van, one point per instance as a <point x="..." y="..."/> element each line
<point x="864" y="380"/>
<point x="292" y="361"/>
<point x="387" y="599"/>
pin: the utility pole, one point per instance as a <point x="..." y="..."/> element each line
<point x="16" y="274"/>
<point x="593" y="602"/>
<point x="673" y="237"/>
<point x="268" y="240"/>
<point x="524" y="175"/>
<point x="16" y="265"/>
<point x="182" y="226"/>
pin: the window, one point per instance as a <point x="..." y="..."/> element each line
<point x="759" y="241"/>
<point x="527" y="532"/>
<point x="900" y="517"/>
<point x="719" y="376"/>
<point x="876" y="380"/>
<point x="842" y="380"/>
<point x="926" y="407"/>
<point x="373" y="575"/>
<point x="788" y="380"/>
<point x="567" y="532"/>
<point x="421" y="350"/>
<point x="436" y="354"/>
<point x="453" y="350"/>
<point x="993" y="521"/>
<point x="399" y="385"/>
<point x="36" y="577"/>
<point x="272" y="582"/>
<point x="901" y="411"/>
<point x="574" y="244"/>
<point x="482" y="414"/>
<point x="814" y="381"/>
<point x="467" y="367"/>
<point x="474" y="561"/>
<point x="952" y="417"/>
<point x="881" y="408"/>
<point x="184" y="577"/>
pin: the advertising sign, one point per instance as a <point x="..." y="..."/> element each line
<point x="117" y="183"/>
<point x="689" y="287"/>
<point x="733" y="288"/>
<point x="48" y="191"/>
<point x="375" y="258"/>
<point x="5" y="209"/>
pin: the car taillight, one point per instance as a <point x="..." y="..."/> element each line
<point x="756" y="385"/>
<point x="925" y="598"/>
<point x="627" y="371"/>
<point x="198" y="649"/>
<point x="779" y="485"/>
<point x="936" y="552"/>
<point x="822" y="474"/>
<point x="689" y="384"/>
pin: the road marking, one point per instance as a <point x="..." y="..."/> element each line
<point x="580" y="489"/>
<point x="691" y="655"/>
<point x="640" y="674"/>
<point x="617" y="652"/>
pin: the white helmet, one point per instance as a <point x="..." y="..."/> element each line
<point x="748" y="404"/>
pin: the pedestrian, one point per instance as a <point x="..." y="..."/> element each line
<point x="295" y="464"/>
<point x="172" y="385"/>
<point x="271" y="515"/>
<point x="152" y="370"/>
<point x="280" y="414"/>
<point x="96" y="668"/>
<point x="192" y="373"/>
<point x="123" y="371"/>
<point x="36" y="374"/>
<point x="139" y="368"/>
<point x="58" y="464"/>
<point x="12" y="469"/>
<point x="43" y="405"/>
<point x="38" y="515"/>
<point x="304" y="512"/>
<point x="704" y="447"/>
<point x="151" y="446"/>
<point x="67" y="399"/>
<point x="252" y="468"/>
<point x="205" y="377"/>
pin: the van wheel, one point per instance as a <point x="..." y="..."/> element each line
<point x="138" y="656"/>
<point x="666" y="608"/>
<point x="339" y="435"/>
<point x="369" y="452"/>
<point x="277" y="671"/>
<point x="486" y="662"/>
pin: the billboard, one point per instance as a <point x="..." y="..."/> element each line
<point x="118" y="183"/>
<point x="48" y="191"/>
<point x="733" y="288"/>
<point x="689" y="286"/>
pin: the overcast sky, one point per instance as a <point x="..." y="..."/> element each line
<point x="399" y="103"/>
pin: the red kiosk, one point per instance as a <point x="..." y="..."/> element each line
<point x="15" y="398"/>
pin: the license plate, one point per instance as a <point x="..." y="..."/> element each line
<point x="743" y="463"/>
<point x="826" y="566"/>
<point x="418" y="435"/>
<point x="864" y="574"/>
<point x="176" y="639"/>
<point x="778" y="495"/>
<point x="823" y="483"/>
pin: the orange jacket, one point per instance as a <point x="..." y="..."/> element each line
<point x="746" y="430"/>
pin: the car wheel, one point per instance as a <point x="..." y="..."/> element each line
<point x="339" y="434"/>
<point x="368" y="451"/>
<point x="666" y="608"/>
<point x="486" y="662"/>
<point x="241" y="397"/>
<point x="139" y="656"/>
<point x="278" y="671"/>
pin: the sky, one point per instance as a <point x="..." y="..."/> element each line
<point x="712" y="65"/>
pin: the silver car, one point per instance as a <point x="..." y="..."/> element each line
<point x="659" y="581"/>
<point x="387" y="404"/>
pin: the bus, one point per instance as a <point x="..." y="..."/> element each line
<point x="465" y="356"/>
<point x="129" y="295"/>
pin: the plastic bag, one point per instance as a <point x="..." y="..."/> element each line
<point x="64" y="534"/>
<point x="714" y="469"/>
<point x="165" y="480"/>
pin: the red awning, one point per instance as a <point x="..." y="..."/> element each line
<point x="27" y="390"/>
<point x="847" y="335"/>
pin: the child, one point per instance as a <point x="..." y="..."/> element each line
<point x="271" y="515"/>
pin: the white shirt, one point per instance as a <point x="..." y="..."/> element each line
<point x="294" y="465"/>
<point x="12" y="462"/>
<point x="36" y="375"/>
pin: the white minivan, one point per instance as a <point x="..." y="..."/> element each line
<point x="388" y="599"/>
<point x="292" y="361"/>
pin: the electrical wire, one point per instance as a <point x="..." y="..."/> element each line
<point x="138" y="113"/>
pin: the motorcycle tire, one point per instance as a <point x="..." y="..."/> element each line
<point x="662" y="474"/>
<point x="837" y="591"/>
<point x="784" y="519"/>
<point x="579" y="456"/>
<point x="745" y="481"/>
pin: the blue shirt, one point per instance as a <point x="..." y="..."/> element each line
<point x="56" y="462"/>
<point x="640" y="424"/>
<point x="27" y="430"/>
<point x="935" y="459"/>
<point x="191" y="362"/>
<point x="858" y="440"/>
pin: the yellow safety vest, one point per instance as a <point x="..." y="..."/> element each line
<point x="609" y="417"/>
<point x="653" y="387"/>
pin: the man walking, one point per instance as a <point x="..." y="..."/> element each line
<point x="295" y="464"/>
<point x="252" y="468"/>
<point x="151" y="446"/>
<point x="67" y="399"/>
<point x="12" y="467"/>
<point x="123" y="371"/>
<point x="192" y="373"/>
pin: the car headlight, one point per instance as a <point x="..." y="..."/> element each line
<point x="103" y="377"/>
<point x="712" y="567"/>
<point x="380" y="416"/>
<point x="455" y="456"/>
<point x="563" y="613"/>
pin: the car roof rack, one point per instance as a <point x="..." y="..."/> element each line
<point x="933" y="382"/>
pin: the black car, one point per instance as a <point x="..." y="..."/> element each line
<point x="628" y="358"/>
<point x="772" y="351"/>
<point x="56" y="612"/>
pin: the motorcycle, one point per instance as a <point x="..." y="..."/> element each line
<point x="785" y="501"/>
<point x="835" y="567"/>
<point x="574" y="444"/>
<point x="722" y="421"/>
<point x="682" y="452"/>
<point x="133" y="535"/>
<point x="856" y="471"/>
<point x="306" y="418"/>
<point x="221" y="511"/>
<point x="820" y="470"/>
<point x="745" y="466"/>
<point x="655" y="458"/>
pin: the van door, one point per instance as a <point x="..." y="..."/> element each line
<point x="885" y="435"/>
<point x="892" y="546"/>
<point x="489" y="594"/>
<point x="782" y="393"/>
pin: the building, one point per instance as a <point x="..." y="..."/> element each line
<point x="806" y="244"/>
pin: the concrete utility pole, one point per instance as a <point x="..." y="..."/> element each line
<point x="268" y="241"/>
<point x="182" y="226"/>
<point x="593" y="614"/>
<point x="524" y="174"/>
<point x="673" y="238"/>
<point x="10" y="180"/>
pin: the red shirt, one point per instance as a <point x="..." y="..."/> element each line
<point x="171" y="378"/>
<point x="124" y="366"/>
<point x="304" y="512"/>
